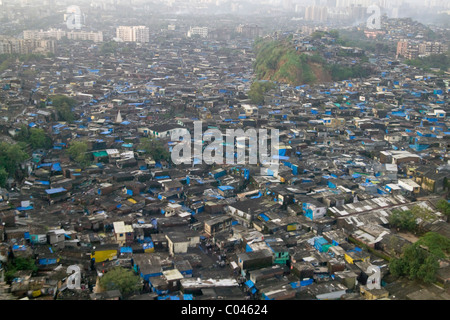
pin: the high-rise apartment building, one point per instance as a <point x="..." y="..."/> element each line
<point x="316" y="13"/>
<point x="139" y="34"/>
<point x="251" y="31"/>
<point x="58" y="34"/>
<point x="429" y="48"/>
<point x="412" y="50"/>
<point x="407" y="49"/>
<point x="201" y="31"/>
<point x="21" y="46"/>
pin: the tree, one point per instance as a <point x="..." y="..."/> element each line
<point x="334" y="34"/>
<point x="423" y="213"/>
<point x="416" y="264"/>
<point x="317" y="35"/>
<point x="436" y="244"/>
<point x="443" y="206"/>
<point x="36" y="137"/>
<point x="109" y="47"/>
<point x="39" y="139"/>
<point x="18" y="264"/>
<point x="154" y="148"/>
<point x="11" y="155"/>
<point x="120" y="279"/>
<point x="63" y="105"/>
<point x="78" y="152"/>
<point x="420" y="261"/>
<point x="65" y="113"/>
<point x="3" y="177"/>
<point x="404" y="220"/>
<point x="23" y="134"/>
<point x="58" y="100"/>
<point x="257" y="91"/>
<point x="407" y="220"/>
<point x="440" y="61"/>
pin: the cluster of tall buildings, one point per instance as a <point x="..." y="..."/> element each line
<point x="316" y="13"/>
<point x="59" y="34"/>
<point x="344" y="10"/>
<point x="200" y="31"/>
<point x="413" y="49"/>
<point x="140" y="34"/>
<point x="337" y="10"/>
<point x="249" y="30"/>
<point x="21" y="46"/>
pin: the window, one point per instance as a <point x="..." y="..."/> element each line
<point x="121" y="235"/>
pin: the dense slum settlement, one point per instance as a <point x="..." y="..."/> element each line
<point x="351" y="153"/>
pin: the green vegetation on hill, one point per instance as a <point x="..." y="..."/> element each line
<point x="257" y="91"/>
<point x="439" y="61"/>
<point x="357" y="39"/>
<point x="280" y="61"/>
<point x="339" y="72"/>
<point x="277" y="61"/>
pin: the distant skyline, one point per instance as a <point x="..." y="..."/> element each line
<point x="424" y="11"/>
<point x="74" y="2"/>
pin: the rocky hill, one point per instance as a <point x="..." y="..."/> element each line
<point x="280" y="61"/>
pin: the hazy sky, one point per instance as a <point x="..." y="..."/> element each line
<point x="74" y="2"/>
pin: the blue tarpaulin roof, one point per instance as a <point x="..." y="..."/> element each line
<point x="24" y="208"/>
<point x="223" y="188"/>
<point x="55" y="190"/>
<point x="126" y="250"/>
<point x="19" y="247"/>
